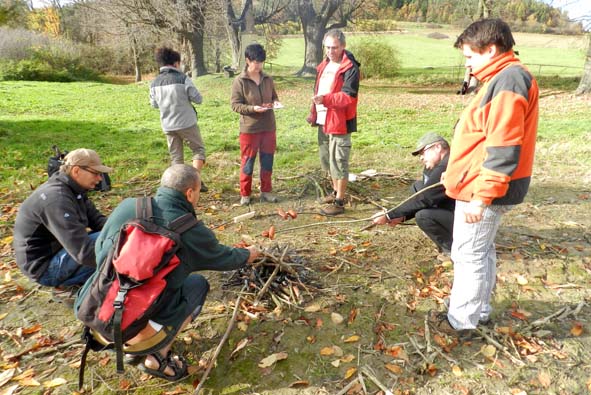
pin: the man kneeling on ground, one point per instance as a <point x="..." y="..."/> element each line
<point x="432" y="210"/>
<point x="200" y="250"/>
<point x="51" y="241"/>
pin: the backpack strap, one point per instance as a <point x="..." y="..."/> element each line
<point x="118" y="303"/>
<point x="183" y="223"/>
<point x="143" y="208"/>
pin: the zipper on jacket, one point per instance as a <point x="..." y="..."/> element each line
<point x="462" y="179"/>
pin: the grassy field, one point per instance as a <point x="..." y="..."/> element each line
<point x="386" y="275"/>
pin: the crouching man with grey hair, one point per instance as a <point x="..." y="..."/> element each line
<point x="186" y="290"/>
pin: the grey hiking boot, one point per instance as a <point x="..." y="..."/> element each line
<point x="268" y="197"/>
<point x="244" y="200"/>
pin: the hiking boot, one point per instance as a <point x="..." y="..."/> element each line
<point x="204" y="187"/>
<point x="244" y="200"/>
<point x="438" y="320"/>
<point x="331" y="210"/>
<point x="268" y="197"/>
<point x="483" y="321"/>
<point x="65" y="295"/>
<point x="330" y="198"/>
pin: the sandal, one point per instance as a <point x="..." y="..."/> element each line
<point x="171" y="361"/>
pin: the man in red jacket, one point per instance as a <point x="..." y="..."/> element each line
<point x="334" y="111"/>
<point x="490" y="167"/>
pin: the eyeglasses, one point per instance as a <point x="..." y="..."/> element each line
<point x="96" y="173"/>
<point x="427" y="148"/>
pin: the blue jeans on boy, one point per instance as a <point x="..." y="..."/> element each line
<point x="64" y="271"/>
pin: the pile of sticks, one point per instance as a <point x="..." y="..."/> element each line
<point x="279" y="275"/>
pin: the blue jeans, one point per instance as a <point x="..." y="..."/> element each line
<point x="64" y="271"/>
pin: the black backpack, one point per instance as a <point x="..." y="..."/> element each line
<point x="117" y="302"/>
<point x="54" y="163"/>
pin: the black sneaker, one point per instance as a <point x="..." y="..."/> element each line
<point x="204" y="187"/>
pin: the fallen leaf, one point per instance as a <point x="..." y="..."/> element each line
<point x="336" y="318"/>
<point x="348" y="248"/>
<point x="348" y="358"/>
<point x="521" y="280"/>
<point x="519" y="315"/>
<point x="577" y="329"/>
<point x="9" y="390"/>
<point x="393" y="368"/>
<point x="55" y="382"/>
<point x="338" y="352"/>
<point x="241" y="344"/>
<point x="352" y="315"/>
<point x="176" y="391"/>
<point x="440" y="340"/>
<point x="518" y="391"/>
<point x="352" y="339"/>
<point x="272" y="359"/>
<point x="488" y="350"/>
<point x="299" y="384"/>
<point x="25" y="375"/>
<point x="326" y="351"/>
<point x="431" y="369"/>
<point x="319" y="323"/>
<point x="3" y="315"/>
<point x="313" y="308"/>
<point x="336" y="363"/>
<point x="6" y="376"/>
<point x="457" y="371"/>
<point x="104" y="361"/>
<point x="544" y="379"/>
<point x="124" y="384"/>
<point x="311" y="339"/>
<point x="242" y="326"/>
<point x="350" y="372"/>
<point x="29" y="382"/>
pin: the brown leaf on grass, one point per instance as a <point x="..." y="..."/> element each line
<point x="326" y="351"/>
<point x="29" y="382"/>
<point x="488" y="350"/>
<point x="104" y="361"/>
<point x="272" y="359"/>
<point x="311" y="339"/>
<point x="55" y="382"/>
<point x="493" y="373"/>
<point x="350" y="372"/>
<point x="25" y="375"/>
<point x="440" y="340"/>
<point x="544" y="379"/>
<point x="241" y="344"/>
<point x="347" y="358"/>
<point x="519" y="315"/>
<point x="431" y="369"/>
<point x="394" y="351"/>
<point x="393" y="368"/>
<point x="457" y="371"/>
<point x="319" y="323"/>
<point x="352" y="315"/>
<point x="518" y="391"/>
<point x="10" y="390"/>
<point x="352" y="339"/>
<point x="177" y="391"/>
<point x="348" y="247"/>
<point x="124" y="384"/>
<point x="3" y="315"/>
<point x="336" y="318"/>
<point x="589" y="385"/>
<point x="299" y="384"/>
<point x="577" y="329"/>
<point x="461" y="390"/>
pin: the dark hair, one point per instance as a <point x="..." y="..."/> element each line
<point x="167" y="56"/>
<point x="255" y="52"/>
<point x="485" y="32"/>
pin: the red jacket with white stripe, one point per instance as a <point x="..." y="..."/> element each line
<point x="492" y="151"/>
<point x="341" y="102"/>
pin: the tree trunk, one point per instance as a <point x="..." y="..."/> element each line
<point x="196" y="40"/>
<point x="314" y="26"/>
<point x="585" y="84"/>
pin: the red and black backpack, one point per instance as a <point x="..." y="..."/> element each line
<point x="117" y="302"/>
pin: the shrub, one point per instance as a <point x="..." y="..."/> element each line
<point x="378" y="60"/>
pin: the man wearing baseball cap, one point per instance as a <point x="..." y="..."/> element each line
<point x="432" y="210"/>
<point x="56" y="227"/>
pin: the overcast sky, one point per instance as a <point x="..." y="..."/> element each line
<point x="575" y="8"/>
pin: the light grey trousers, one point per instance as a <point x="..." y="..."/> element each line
<point x="475" y="266"/>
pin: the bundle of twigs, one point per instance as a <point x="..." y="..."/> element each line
<point x="279" y="275"/>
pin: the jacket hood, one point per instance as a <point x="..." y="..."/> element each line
<point x="352" y="58"/>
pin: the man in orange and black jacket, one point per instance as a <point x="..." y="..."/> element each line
<point x="489" y="168"/>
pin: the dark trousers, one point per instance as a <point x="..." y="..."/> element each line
<point x="438" y="225"/>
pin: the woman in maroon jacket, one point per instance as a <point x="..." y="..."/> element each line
<point x="253" y="97"/>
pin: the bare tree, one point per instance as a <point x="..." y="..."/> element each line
<point x="316" y="24"/>
<point x="266" y="11"/>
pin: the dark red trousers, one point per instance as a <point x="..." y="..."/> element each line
<point x="250" y="145"/>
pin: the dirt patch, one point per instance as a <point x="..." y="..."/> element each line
<point x="381" y="282"/>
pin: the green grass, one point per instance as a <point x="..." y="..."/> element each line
<point x="545" y="54"/>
